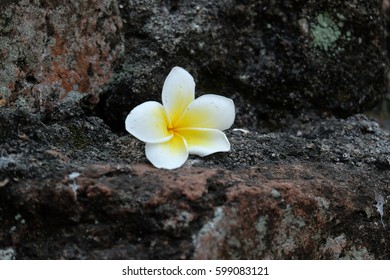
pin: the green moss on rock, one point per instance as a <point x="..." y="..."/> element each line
<point x="325" y="32"/>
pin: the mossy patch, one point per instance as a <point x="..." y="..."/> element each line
<point x="326" y="31"/>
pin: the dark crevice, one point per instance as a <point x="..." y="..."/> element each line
<point x="112" y="106"/>
<point x="31" y="80"/>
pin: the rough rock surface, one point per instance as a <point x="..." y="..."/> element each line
<point x="279" y="56"/>
<point x="71" y="189"/>
<point x="51" y="48"/>
<point x="296" y="184"/>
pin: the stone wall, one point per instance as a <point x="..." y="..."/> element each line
<point x="306" y="177"/>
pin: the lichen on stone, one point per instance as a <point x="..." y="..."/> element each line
<point x="325" y="32"/>
<point x="7" y="254"/>
<point x="380" y="201"/>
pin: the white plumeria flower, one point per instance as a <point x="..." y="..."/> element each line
<point x="182" y="125"/>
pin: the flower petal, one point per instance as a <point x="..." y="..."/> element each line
<point x="203" y="142"/>
<point x="148" y="122"/>
<point x="169" y="155"/>
<point x="178" y="92"/>
<point x="209" y="111"/>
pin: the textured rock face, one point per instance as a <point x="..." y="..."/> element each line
<point x="275" y="211"/>
<point x="280" y="56"/>
<point x="71" y="189"/>
<point x="315" y="188"/>
<point x="50" y="48"/>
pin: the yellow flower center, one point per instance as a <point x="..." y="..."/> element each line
<point x="171" y="130"/>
